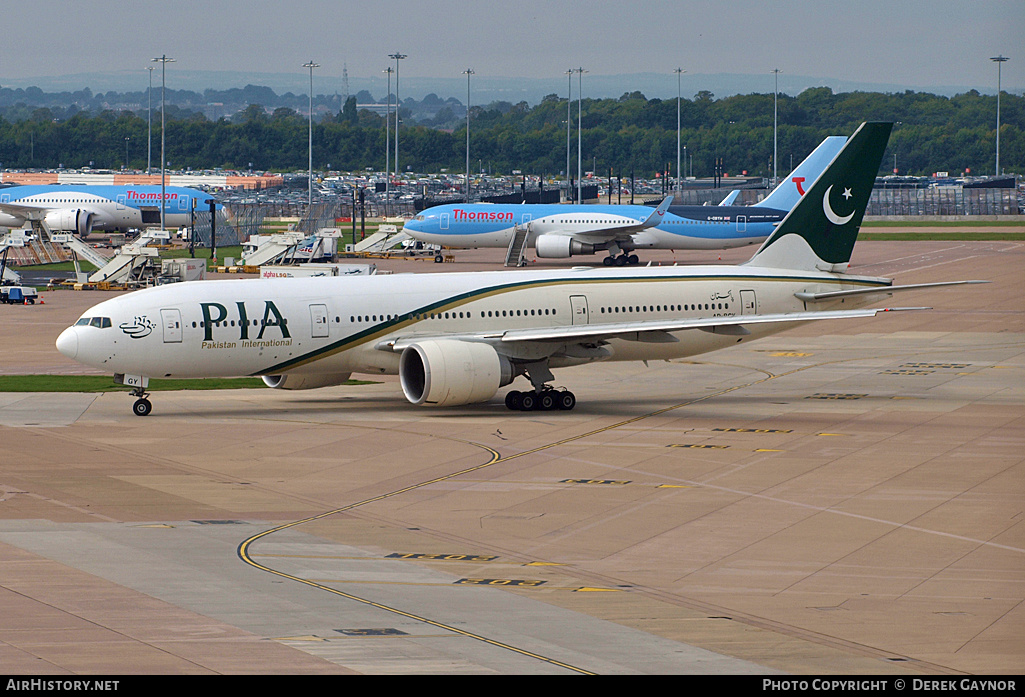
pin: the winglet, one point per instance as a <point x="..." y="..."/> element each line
<point x="730" y="198"/>
<point x="656" y="216"/>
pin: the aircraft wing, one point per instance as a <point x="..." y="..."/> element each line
<point x="604" y="234"/>
<point x="23" y="211"/>
<point x="654" y="331"/>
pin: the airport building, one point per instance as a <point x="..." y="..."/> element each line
<point x="201" y="180"/>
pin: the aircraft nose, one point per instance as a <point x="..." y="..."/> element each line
<point x="67" y="342"/>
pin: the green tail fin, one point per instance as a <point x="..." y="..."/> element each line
<point x="820" y="231"/>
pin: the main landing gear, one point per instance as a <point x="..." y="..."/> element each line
<point x="548" y="399"/>
<point x="142" y="406"/>
<point x="621" y="260"/>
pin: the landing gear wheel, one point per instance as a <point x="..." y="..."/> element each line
<point x="142" y="407"/>
<point x="528" y="401"/>
<point x="633" y="260"/>
<point x="608" y="261"/>
<point x="565" y="400"/>
<point x="512" y="400"/>
<point x="546" y="401"/>
<point x="620" y="260"/>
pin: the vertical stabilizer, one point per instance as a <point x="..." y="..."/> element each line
<point x="820" y="231"/>
<point x="789" y="191"/>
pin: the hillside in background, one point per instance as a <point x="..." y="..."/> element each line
<point x="256" y="128"/>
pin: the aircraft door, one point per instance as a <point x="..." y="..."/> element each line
<point x="172" y="321"/>
<point x="121" y="202"/>
<point x="319" y="321"/>
<point x="741" y="223"/>
<point x="578" y="309"/>
<point x="443" y="222"/>
<point x="748" y="303"/>
<point x="5" y="198"/>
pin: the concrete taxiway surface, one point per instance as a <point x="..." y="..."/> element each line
<point x="841" y="498"/>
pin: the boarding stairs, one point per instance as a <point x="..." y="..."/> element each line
<point x="273" y="248"/>
<point x="26" y="248"/>
<point x="82" y="250"/>
<point x="518" y="245"/>
<point x="373" y="243"/>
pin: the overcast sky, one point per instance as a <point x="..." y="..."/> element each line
<point x="910" y="43"/>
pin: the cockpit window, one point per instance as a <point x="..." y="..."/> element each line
<point x="83" y="322"/>
<point x="99" y="322"/>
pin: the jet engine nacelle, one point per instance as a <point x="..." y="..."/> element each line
<point x="304" y="382"/>
<point x="448" y="372"/>
<point x="75" y="220"/>
<point x="560" y="246"/>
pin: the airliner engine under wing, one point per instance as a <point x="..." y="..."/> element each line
<point x="82" y="209"/>
<point x="558" y="231"/>
<point x="457" y="338"/>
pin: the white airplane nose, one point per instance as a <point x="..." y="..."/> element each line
<point x="67" y="342"/>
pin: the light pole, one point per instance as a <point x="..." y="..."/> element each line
<point x="149" y="122"/>
<point x="580" y="168"/>
<point x="569" y="102"/>
<point x="163" y="60"/>
<point x="468" y="72"/>
<point x="387" y="137"/>
<point x="679" y="73"/>
<point x="775" y="95"/>
<point x="126" y="151"/>
<point x="311" y="65"/>
<point x="998" y="60"/>
<point x="397" y="56"/>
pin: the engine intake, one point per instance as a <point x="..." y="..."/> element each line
<point x="448" y="372"/>
<point x="77" y="220"/>
<point x="304" y="381"/>
<point x="560" y="246"/>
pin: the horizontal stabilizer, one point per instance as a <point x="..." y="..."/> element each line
<point x="837" y="294"/>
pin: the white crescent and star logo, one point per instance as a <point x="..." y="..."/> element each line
<point x="831" y="216"/>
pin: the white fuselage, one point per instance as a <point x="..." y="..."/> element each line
<point x="98" y="207"/>
<point x="340" y="325"/>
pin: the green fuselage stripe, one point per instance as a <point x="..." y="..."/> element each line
<point x="408" y="319"/>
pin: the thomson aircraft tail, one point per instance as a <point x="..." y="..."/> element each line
<point x="789" y="191"/>
<point x="819" y="233"/>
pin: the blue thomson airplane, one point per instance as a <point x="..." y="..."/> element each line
<point x="557" y="231"/>
<point x="83" y="208"/>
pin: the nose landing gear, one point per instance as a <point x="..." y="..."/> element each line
<point x="142" y="406"/>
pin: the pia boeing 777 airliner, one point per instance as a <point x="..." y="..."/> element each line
<point x="559" y="231"/>
<point x="457" y="338"/>
<point x="82" y="209"/>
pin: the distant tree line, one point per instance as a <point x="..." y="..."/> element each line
<point x="631" y="135"/>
